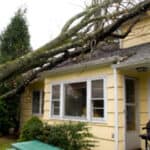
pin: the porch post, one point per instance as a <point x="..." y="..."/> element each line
<point x="116" y="108"/>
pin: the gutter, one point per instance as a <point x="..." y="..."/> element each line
<point x="132" y="64"/>
<point x="80" y="66"/>
<point x="116" y="109"/>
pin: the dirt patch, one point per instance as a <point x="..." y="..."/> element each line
<point x="5" y="142"/>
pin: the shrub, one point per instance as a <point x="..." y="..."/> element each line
<point x="32" y="129"/>
<point x="68" y="136"/>
<point x="8" y="115"/>
<point x="4" y="120"/>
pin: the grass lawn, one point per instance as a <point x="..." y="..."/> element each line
<point x="5" y="142"/>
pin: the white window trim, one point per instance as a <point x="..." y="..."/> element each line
<point x="89" y="104"/>
<point x="40" y="106"/>
<point x="105" y="103"/>
<point x="51" y="115"/>
<point x="61" y="100"/>
<point x="88" y="110"/>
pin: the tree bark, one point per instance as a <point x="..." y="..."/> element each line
<point x="64" y="42"/>
<point x="26" y="79"/>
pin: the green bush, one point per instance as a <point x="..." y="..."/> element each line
<point x="4" y="120"/>
<point x="8" y="115"/>
<point x="32" y="129"/>
<point x="68" y="136"/>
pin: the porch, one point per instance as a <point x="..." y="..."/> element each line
<point x="134" y="81"/>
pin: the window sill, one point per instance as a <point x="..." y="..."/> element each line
<point x="38" y="115"/>
<point x="78" y="119"/>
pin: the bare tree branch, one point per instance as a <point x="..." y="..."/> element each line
<point x="70" y="39"/>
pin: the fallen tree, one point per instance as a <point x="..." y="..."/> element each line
<point x="75" y="35"/>
<point x="31" y="75"/>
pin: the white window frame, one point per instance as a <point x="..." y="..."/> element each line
<point x="105" y="100"/>
<point x="63" y="101"/>
<point x="40" y="105"/>
<point x="60" y="101"/>
<point x="88" y="101"/>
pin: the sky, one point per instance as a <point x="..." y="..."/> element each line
<point x="45" y="18"/>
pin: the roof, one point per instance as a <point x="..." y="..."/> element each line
<point x="141" y="57"/>
<point x="109" y="54"/>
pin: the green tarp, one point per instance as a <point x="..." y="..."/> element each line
<point x="33" y="145"/>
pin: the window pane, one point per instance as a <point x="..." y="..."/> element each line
<point x="97" y="89"/>
<point x="55" y="91"/>
<point x="36" y="102"/>
<point x="56" y="100"/>
<point x="97" y="98"/>
<point x="42" y="102"/>
<point x="98" y="113"/>
<point x="130" y="90"/>
<point x="130" y="117"/>
<point x="75" y="99"/>
<point x="55" y="108"/>
<point x="98" y="103"/>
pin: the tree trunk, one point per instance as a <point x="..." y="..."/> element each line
<point x="66" y="41"/>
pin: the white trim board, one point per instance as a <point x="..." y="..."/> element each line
<point x="116" y="109"/>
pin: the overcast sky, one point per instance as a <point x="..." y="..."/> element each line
<point x="45" y="17"/>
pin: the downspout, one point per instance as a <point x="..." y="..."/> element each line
<point x="116" y="108"/>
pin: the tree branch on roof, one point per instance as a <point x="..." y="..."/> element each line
<point x="69" y="37"/>
<point x="31" y="75"/>
<point x="123" y="35"/>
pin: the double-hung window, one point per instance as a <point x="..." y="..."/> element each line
<point x="79" y="100"/>
<point x="55" y="100"/>
<point x="97" y="98"/>
<point x="37" y="102"/>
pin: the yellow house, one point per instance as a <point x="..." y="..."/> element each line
<point x="110" y="90"/>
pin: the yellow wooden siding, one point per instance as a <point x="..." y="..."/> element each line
<point x="143" y="80"/>
<point x="103" y="131"/>
<point x="26" y="102"/>
<point x="140" y="34"/>
<point x="25" y="107"/>
<point x="143" y="103"/>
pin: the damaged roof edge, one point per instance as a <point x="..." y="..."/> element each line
<point x="74" y="67"/>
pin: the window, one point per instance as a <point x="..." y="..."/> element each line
<point x="130" y="104"/>
<point x="75" y="99"/>
<point x="37" y="102"/>
<point x="97" y="98"/>
<point x="82" y="100"/>
<point x="56" y="100"/>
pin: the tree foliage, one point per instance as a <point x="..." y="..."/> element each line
<point x="8" y="115"/>
<point x="14" y="43"/>
<point x="76" y="37"/>
<point x="15" y="39"/>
